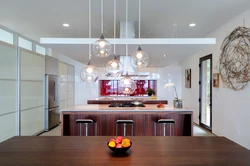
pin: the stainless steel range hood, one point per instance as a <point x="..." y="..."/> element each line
<point x="126" y="60"/>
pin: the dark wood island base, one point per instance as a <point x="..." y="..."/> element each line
<point x="143" y="118"/>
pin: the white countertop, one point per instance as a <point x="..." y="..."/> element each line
<point x="104" y="107"/>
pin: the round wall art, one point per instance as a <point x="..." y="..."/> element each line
<point x="234" y="66"/>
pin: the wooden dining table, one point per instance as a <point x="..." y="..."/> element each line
<point x="145" y="150"/>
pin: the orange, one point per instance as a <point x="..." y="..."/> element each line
<point x="126" y="142"/>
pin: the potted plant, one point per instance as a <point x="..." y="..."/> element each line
<point x="176" y="102"/>
<point x="150" y="92"/>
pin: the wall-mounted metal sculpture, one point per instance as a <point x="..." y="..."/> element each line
<point x="234" y="61"/>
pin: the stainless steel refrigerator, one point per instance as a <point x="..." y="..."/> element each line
<point x="52" y="109"/>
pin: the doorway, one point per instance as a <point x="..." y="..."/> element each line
<point x="205" y="92"/>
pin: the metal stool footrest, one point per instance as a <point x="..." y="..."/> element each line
<point x="125" y="122"/>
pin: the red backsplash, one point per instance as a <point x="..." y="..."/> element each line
<point x="110" y="87"/>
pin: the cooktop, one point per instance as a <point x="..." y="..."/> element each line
<point x="125" y="105"/>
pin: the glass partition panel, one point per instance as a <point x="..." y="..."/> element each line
<point x="8" y="91"/>
<point x="40" y="50"/>
<point x="6" y="36"/>
<point x="32" y="75"/>
<point x="32" y="121"/>
<point x="24" y="43"/>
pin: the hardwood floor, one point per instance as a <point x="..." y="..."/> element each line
<point x="198" y="131"/>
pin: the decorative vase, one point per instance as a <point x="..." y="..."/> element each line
<point x="150" y="94"/>
<point x="177" y="103"/>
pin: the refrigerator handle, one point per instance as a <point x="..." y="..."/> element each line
<point x="54" y="91"/>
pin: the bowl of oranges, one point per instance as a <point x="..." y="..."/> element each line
<point x="119" y="144"/>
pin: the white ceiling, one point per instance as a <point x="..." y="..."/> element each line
<point x="37" y="19"/>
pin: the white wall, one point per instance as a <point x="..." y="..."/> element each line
<point x="230" y="108"/>
<point x="169" y="74"/>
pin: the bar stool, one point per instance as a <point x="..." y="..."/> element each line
<point x="86" y="122"/>
<point x="164" y="122"/>
<point x="125" y="123"/>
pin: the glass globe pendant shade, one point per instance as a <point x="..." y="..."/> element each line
<point x="126" y="85"/>
<point x="114" y="68"/>
<point x="88" y="73"/>
<point x="139" y="58"/>
<point x="102" y="48"/>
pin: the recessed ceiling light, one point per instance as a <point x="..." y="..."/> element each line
<point x="66" y="25"/>
<point x="192" y="25"/>
<point x="165" y="55"/>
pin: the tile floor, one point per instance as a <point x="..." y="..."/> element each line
<point x="198" y="131"/>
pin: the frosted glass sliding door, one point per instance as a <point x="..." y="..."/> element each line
<point x="8" y="91"/>
<point x="32" y="75"/>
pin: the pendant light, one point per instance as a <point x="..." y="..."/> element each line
<point x="102" y="48"/>
<point x="114" y="68"/>
<point x="89" y="72"/>
<point x="126" y="84"/>
<point x="139" y="58"/>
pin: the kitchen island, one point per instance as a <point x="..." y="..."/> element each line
<point x="143" y="117"/>
<point x="144" y="100"/>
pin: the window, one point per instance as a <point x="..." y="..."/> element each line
<point x="6" y="36"/>
<point x="24" y="43"/>
<point x="40" y="50"/>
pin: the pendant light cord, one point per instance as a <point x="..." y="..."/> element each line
<point x="139" y="19"/>
<point x="114" y="25"/>
<point x="127" y="34"/>
<point x="89" y="31"/>
<point x="102" y="16"/>
<point x="174" y="25"/>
